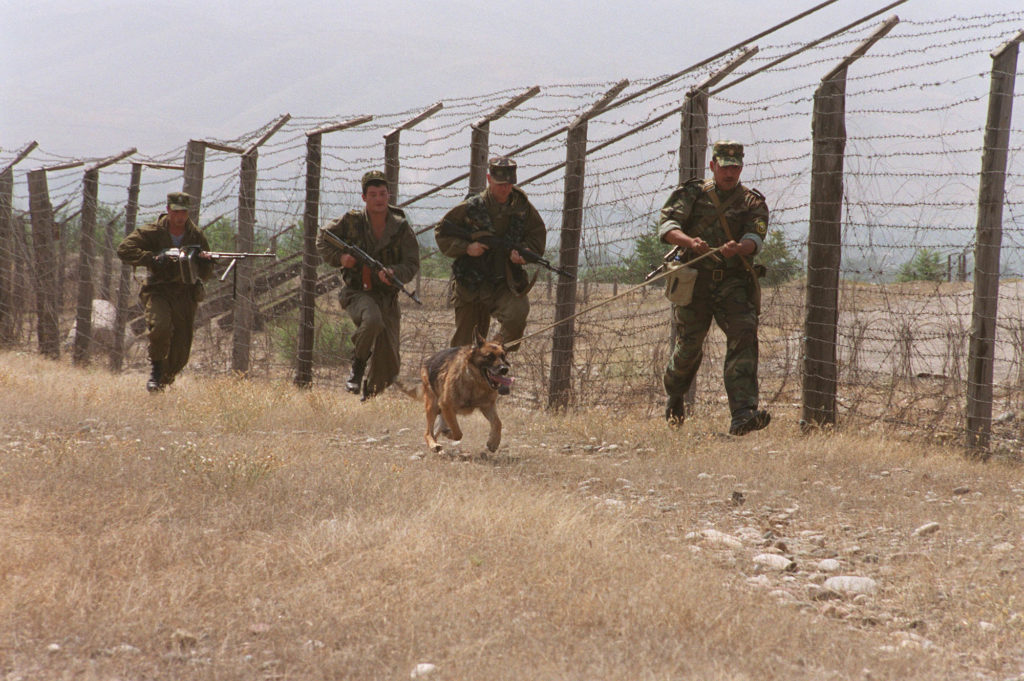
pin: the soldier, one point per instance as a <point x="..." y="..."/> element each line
<point x="369" y="297"/>
<point x="699" y="216"/>
<point x="490" y="280"/>
<point x="169" y="301"/>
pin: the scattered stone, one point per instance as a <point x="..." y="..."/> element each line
<point x="313" y="644"/>
<point x="259" y="628"/>
<point x="963" y="489"/>
<point x="926" y="529"/>
<point x="820" y="593"/>
<point x="703" y="476"/>
<point x="783" y="595"/>
<point x="1003" y="547"/>
<point x="759" y="580"/>
<point x="986" y="627"/>
<point x="53" y="648"/>
<point x="829" y="565"/>
<point x="851" y="585"/>
<point x="774" y="561"/>
<point x="737" y="498"/>
<point x="717" y="538"/>
<point x="422" y="670"/>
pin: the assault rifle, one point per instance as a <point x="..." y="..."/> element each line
<point x="492" y="240"/>
<point x="676" y="255"/>
<point x="368" y="260"/>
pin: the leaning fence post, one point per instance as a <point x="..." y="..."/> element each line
<point x="392" y="163"/>
<point x="310" y="258"/>
<point x="44" y="273"/>
<point x="479" y="140"/>
<point x="560" y="379"/>
<point x="824" y="247"/>
<point x="195" y="169"/>
<point x="86" y="251"/>
<point x="8" y="262"/>
<point x="245" y="305"/>
<point x="988" y="242"/>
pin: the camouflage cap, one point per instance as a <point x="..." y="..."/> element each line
<point x="178" y="201"/>
<point x="728" y="153"/>
<point x="502" y="169"/>
<point x="374" y="176"/>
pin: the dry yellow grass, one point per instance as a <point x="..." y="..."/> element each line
<point x="249" y="530"/>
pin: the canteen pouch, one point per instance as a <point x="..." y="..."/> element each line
<point x="679" y="283"/>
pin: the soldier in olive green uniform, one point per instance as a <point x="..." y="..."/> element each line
<point x="699" y="216"/>
<point x="491" y="281"/>
<point x="368" y="297"/>
<point x="170" y="303"/>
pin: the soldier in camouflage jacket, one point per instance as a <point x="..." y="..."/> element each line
<point x="370" y="300"/>
<point x="699" y="216"/>
<point x="491" y="281"/>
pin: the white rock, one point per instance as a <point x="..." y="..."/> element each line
<point x="759" y="580"/>
<point x="774" y="561"/>
<point x="751" y="534"/>
<point x="1004" y="547"/>
<point x="829" y="565"/>
<point x="721" y="539"/>
<point x="783" y="595"/>
<point x="849" y="584"/>
<point x="53" y="648"/>
<point x="987" y="627"/>
<point x="926" y="529"/>
<point x="423" y="669"/>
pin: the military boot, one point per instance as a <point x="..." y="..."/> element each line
<point x="352" y="383"/>
<point x="156" y="375"/>
<point x="748" y="420"/>
<point x="675" y="410"/>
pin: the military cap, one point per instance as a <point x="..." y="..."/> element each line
<point x="728" y="153"/>
<point x="178" y="201"/>
<point x="502" y="169"/>
<point x="374" y="176"/>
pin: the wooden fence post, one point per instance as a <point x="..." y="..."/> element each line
<point x="310" y="258"/>
<point x="563" y="335"/>
<point x="86" y="248"/>
<point x="86" y="256"/>
<point x="44" y="272"/>
<point x="131" y="213"/>
<point x="245" y="306"/>
<point x="244" y="312"/>
<point x="988" y="242"/>
<point x="824" y="248"/>
<point x="195" y="170"/>
<point x="392" y="162"/>
<point x="479" y="141"/>
<point x="9" y="320"/>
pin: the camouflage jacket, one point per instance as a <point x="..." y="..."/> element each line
<point x="141" y="246"/>
<point x="397" y="248"/>
<point x="691" y="209"/>
<point x="516" y="220"/>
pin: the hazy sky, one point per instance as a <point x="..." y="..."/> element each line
<point x="89" y="79"/>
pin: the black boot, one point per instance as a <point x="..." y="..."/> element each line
<point x="675" y="410"/>
<point x="156" y="376"/>
<point x="748" y="420"/>
<point x="352" y="383"/>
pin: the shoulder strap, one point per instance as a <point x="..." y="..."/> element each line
<point x="720" y="208"/>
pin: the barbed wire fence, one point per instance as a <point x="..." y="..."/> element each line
<point x="914" y="111"/>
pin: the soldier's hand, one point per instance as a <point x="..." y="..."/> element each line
<point x="516" y="258"/>
<point x="348" y="260"/>
<point x="476" y="249"/>
<point x="161" y="260"/>
<point x="385" y="275"/>
<point x="699" y="246"/>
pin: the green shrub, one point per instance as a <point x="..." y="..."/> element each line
<point x="332" y="339"/>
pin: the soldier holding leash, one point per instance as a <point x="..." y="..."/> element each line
<point x="699" y="216"/>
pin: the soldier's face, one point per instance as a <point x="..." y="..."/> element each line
<point x="726" y="177"/>
<point x="499" y="190"/>
<point x="177" y="219"/>
<point x="376" y="198"/>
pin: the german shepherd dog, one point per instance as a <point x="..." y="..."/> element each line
<point x="459" y="380"/>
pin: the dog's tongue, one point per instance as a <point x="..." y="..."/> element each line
<point x="504" y="380"/>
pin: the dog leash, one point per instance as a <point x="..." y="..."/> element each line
<point x="613" y="298"/>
